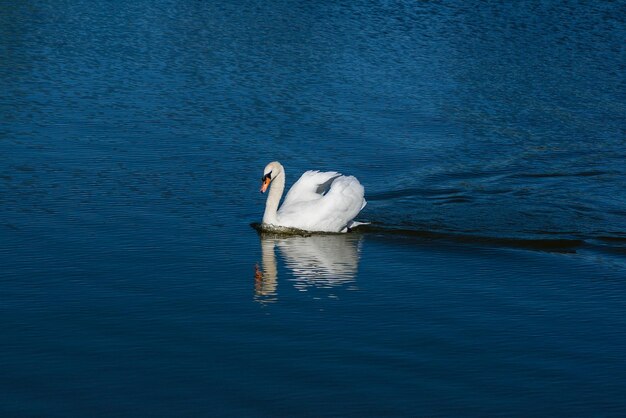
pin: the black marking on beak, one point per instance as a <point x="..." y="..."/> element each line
<point x="265" y="181"/>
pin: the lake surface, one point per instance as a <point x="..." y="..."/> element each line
<point x="491" y="141"/>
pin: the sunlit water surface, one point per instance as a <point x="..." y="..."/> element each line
<point x="491" y="143"/>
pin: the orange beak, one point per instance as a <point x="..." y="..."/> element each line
<point x="265" y="185"/>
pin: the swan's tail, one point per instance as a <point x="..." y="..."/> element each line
<point x="353" y="224"/>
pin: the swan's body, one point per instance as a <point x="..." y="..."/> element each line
<point x="318" y="201"/>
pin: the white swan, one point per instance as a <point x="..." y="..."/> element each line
<point x="318" y="201"/>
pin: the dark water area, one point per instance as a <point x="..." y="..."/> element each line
<point x="490" y="140"/>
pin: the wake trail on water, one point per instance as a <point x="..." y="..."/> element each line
<point x="615" y="245"/>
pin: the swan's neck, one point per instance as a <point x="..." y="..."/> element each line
<point x="273" y="199"/>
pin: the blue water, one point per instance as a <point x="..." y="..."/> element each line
<point x="491" y="142"/>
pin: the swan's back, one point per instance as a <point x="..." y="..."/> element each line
<point x="310" y="186"/>
<point x="322" y="201"/>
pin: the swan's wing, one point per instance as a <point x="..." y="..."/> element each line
<point x="312" y="185"/>
<point x="330" y="212"/>
<point x="344" y="200"/>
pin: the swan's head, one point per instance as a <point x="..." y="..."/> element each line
<point x="272" y="170"/>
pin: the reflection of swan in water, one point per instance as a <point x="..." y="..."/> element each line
<point x="265" y="281"/>
<point x="321" y="261"/>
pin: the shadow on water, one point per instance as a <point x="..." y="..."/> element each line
<point x="561" y="245"/>
<point x="320" y="261"/>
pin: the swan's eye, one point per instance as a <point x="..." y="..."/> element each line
<point x="267" y="176"/>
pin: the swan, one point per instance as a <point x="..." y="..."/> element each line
<point x="318" y="201"/>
